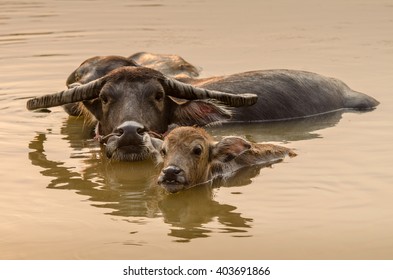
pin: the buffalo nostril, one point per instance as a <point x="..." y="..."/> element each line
<point x="130" y="133"/>
<point x="176" y="171"/>
<point x="140" y="130"/>
<point x="172" y="170"/>
<point x="120" y="131"/>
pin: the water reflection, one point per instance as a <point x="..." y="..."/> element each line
<point x="129" y="190"/>
<point x="285" y="131"/>
<point x="189" y="211"/>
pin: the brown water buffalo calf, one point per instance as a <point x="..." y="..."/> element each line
<point x="191" y="157"/>
<point x="98" y="66"/>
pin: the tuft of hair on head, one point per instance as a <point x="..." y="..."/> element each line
<point x="89" y="118"/>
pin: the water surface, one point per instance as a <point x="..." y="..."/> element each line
<point x="60" y="199"/>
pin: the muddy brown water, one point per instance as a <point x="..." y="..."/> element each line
<point x="59" y="199"/>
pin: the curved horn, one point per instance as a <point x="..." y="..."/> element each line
<point x="75" y="94"/>
<point x="186" y="91"/>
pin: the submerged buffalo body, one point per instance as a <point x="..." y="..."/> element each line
<point x="191" y="157"/>
<point x="156" y="101"/>
<point x="289" y="94"/>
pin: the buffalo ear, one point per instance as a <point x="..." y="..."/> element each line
<point x="229" y="148"/>
<point x="198" y="112"/>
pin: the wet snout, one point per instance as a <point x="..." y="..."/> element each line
<point x="128" y="138"/>
<point x="130" y="133"/>
<point x="172" y="178"/>
<point x="171" y="173"/>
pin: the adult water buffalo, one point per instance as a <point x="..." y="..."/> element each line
<point x="191" y="157"/>
<point x="168" y="64"/>
<point x="98" y="66"/>
<point x="150" y="98"/>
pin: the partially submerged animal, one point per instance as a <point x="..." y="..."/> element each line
<point x="156" y="101"/>
<point x="191" y="157"/>
<point x="99" y="66"/>
<point x="146" y="96"/>
<point x="168" y="64"/>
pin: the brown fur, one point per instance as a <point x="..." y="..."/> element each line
<point x="177" y="150"/>
<point x="172" y="65"/>
<point x="98" y="66"/>
<point x="181" y="149"/>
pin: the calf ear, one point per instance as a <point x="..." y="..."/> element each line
<point x="198" y="112"/>
<point x="229" y="148"/>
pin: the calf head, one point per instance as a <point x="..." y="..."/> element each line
<point x="147" y="97"/>
<point x="191" y="157"/>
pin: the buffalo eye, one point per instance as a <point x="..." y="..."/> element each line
<point x="104" y="99"/>
<point x="159" y="96"/>
<point x="163" y="152"/>
<point x="197" y="150"/>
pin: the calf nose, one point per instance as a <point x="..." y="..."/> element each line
<point x="130" y="133"/>
<point x="172" y="178"/>
<point x="171" y="170"/>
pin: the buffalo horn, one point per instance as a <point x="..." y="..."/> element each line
<point x="83" y="92"/>
<point x="186" y="91"/>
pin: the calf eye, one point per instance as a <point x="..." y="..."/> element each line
<point x="163" y="152"/>
<point x="197" y="150"/>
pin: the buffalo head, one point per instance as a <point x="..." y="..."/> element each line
<point x="99" y="66"/>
